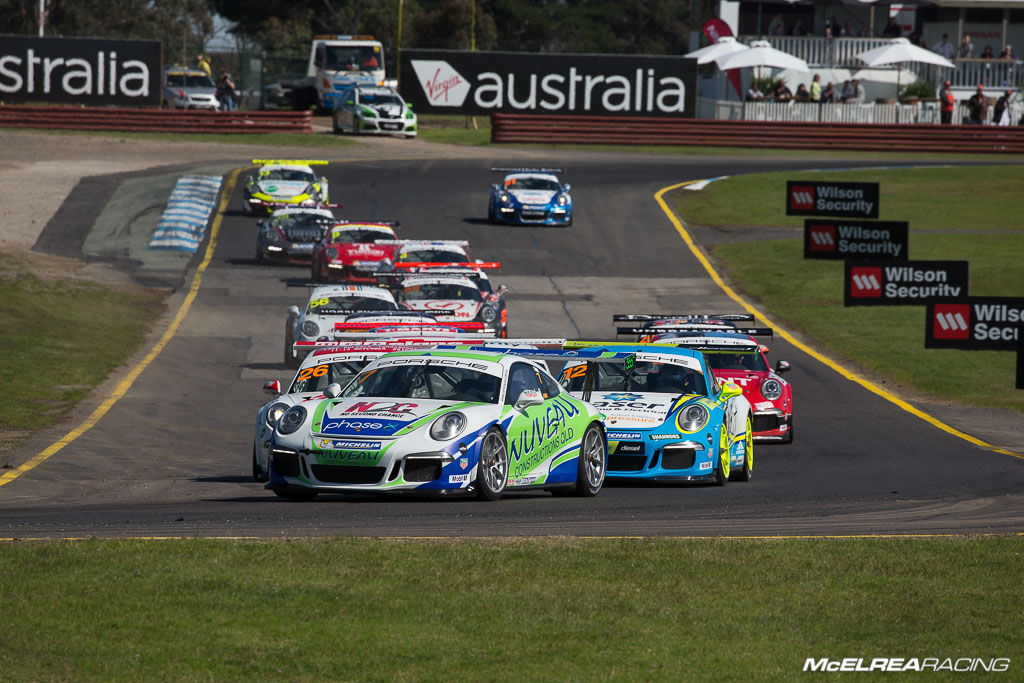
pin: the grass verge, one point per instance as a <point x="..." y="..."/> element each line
<point x="61" y="338"/>
<point x="983" y="203"/>
<point x="552" y="609"/>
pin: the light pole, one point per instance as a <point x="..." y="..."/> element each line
<point x="398" y="41"/>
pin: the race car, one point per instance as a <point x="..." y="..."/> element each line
<point x="280" y="183"/>
<point x="460" y="291"/>
<point x="668" y="417"/>
<point x="530" y="196"/>
<point x="329" y="305"/>
<point x="649" y="326"/>
<point x="289" y="235"/>
<point x="415" y="253"/>
<point x="349" y="251"/>
<point x="370" y="110"/>
<point x="475" y="421"/>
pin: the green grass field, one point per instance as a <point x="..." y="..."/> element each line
<point x="60" y="339"/>
<point x="969" y="214"/>
<point x="531" y="609"/>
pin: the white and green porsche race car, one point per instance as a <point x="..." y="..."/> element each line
<point x="442" y="421"/>
<point x="284" y="183"/>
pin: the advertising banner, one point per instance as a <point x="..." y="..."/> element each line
<point x="840" y="239"/>
<point x="80" y="70"/>
<point x="464" y="82"/>
<point x="840" y="200"/>
<point x="974" y="323"/>
<point x="906" y="283"/>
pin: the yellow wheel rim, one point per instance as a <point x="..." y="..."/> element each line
<point x="724" y="452"/>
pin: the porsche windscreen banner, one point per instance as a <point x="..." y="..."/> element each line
<point x="904" y="283"/>
<point x="976" y="323"/>
<point x="840" y="200"/>
<point x="826" y="238"/>
<point x="463" y="82"/>
<point x="80" y="70"/>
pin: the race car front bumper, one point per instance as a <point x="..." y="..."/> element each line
<point x="771" y="425"/>
<point x="527" y="215"/>
<point x="288" y="252"/>
<point x="398" y="126"/>
<point x="684" y="460"/>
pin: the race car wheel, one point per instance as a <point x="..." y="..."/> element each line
<point x="294" y="494"/>
<point x="745" y="472"/>
<point x="492" y="470"/>
<point x="593" y="462"/>
<point x="289" y="359"/>
<point x="789" y="433"/>
<point x="258" y="474"/>
<point x="491" y="218"/>
<point x="259" y="257"/>
<point x="722" y="467"/>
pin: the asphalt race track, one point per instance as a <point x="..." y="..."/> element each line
<point x="172" y="458"/>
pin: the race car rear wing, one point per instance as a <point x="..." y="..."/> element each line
<point x="501" y="169"/>
<point x="390" y="224"/>
<point x="293" y="162"/>
<point x="294" y="205"/>
<point x="350" y="326"/>
<point x="475" y="265"/>
<point x="696" y="329"/>
<point x="639" y="317"/>
<point x="425" y="243"/>
<point x="694" y="343"/>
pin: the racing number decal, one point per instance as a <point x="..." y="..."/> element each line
<point x="575" y="371"/>
<point x="319" y="302"/>
<point x="312" y="371"/>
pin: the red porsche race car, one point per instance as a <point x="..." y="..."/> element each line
<point x="349" y="251"/>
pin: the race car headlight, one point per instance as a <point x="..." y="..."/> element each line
<point x="448" y="426"/>
<point x="771" y="389"/>
<point x="504" y="198"/>
<point x="693" y="418"/>
<point x="562" y="201"/>
<point x="275" y="413"/>
<point x="488" y="314"/>
<point x="310" y="328"/>
<point x="331" y="253"/>
<point x="291" y="420"/>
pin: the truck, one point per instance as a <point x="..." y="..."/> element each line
<point x="336" y="62"/>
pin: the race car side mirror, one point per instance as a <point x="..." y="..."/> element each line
<point x="333" y="390"/>
<point x="273" y="387"/>
<point x="529" y="397"/>
<point x="730" y="390"/>
<point x="566" y="187"/>
<point x="502" y="290"/>
<point x="782" y="366"/>
<point x="293" y="310"/>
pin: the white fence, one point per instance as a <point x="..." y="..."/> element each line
<point x="923" y="112"/>
<point x="818" y="51"/>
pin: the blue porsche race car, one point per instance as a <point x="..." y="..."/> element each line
<point x="530" y="196"/>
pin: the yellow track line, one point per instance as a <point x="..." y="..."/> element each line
<point x="782" y="332"/>
<point x="125" y="384"/>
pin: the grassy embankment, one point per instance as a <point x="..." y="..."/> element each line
<point x="972" y="214"/>
<point x="61" y="338"/>
<point x="540" y="609"/>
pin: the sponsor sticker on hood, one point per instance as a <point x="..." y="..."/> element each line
<point x="361" y="417"/>
<point x="533" y="196"/>
<point x="283" y="187"/>
<point x="625" y="409"/>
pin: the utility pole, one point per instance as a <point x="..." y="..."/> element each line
<point x="398" y="41"/>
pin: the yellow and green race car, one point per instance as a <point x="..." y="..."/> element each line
<point x="285" y="183"/>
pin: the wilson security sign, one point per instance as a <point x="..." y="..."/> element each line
<point x="461" y="82"/>
<point x="79" y="70"/>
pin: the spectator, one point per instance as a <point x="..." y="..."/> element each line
<point x="944" y="47"/>
<point x="815" y="88"/>
<point x="831" y="27"/>
<point x="798" y="29"/>
<point x="802" y="95"/>
<point x="782" y="92"/>
<point x="1001" y="112"/>
<point x="848" y="92"/>
<point x="777" y="27"/>
<point x="226" y="92"/>
<point x="892" y="29"/>
<point x="858" y="92"/>
<point x="1007" y="52"/>
<point x="753" y="94"/>
<point x="966" y="49"/>
<point x="849" y="31"/>
<point x="915" y="39"/>
<point x="978" y="106"/>
<point x="828" y="95"/>
<point x="987" y="53"/>
<point x="946" y="103"/>
<point x="203" y="62"/>
<point x="369" y="61"/>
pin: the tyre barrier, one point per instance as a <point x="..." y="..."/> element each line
<point x="614" y="130"/>
<point x="155" y="120"/>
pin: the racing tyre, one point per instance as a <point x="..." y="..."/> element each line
<point x="258" y="475"/>
<point x="593" y="463"/>
<point x="491" y="218"/>
<point x="722" y="467"/>
<point x="259" y="257"/>
<point x="745" y="472"/>
<point x="789" y="433"/>
<point x="492" y="470"/>
<point x="294" y="494"/>
<point x="290" y="361"/>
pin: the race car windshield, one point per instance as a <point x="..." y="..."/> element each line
<point x="359" y="236"/>
<point x="289" y="174"/>
<point x="430" y="380"/>
<point x="301" y="220"/>
<point x="190" y="81"/>
<point x="333" y="305"/>
<point x="532" y="184"/>
<point x="431" y="256"/>
<point x="374" y="99"/>
<point x="662" y="378"/>
<point x="429" y="291"/>
<point x="731" y="360"/>
<point x="348" y="58"/>
<point x="317" y="377"/>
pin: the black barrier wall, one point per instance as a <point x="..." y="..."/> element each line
<point x="463" y="82"/>
<point x="80" y="70"/>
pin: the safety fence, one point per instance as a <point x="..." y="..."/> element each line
<point x="183" y="224"/>
<point x="848" y="112"/>
<point x="155" y="120"/>
<point x="524" y="128"/>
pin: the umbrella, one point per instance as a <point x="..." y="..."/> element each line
<point x="761" y="53"/>
<point x="898" y="51"/>
<point x="726" y="45"/>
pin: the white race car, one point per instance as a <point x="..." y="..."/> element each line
<point x="443" y="422"/>
<point x="463" y="294"/>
